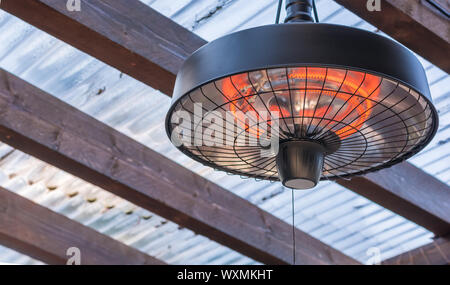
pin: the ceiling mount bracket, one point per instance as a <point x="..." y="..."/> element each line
<point x="299" y="11"/>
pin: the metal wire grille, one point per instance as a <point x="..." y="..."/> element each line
<point x="366" y="122"/>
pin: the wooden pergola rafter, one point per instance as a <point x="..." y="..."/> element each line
<point x="416" y="24"/>
<point x="137" y="40"/>
<point x="47" y="236"/>
<point x="435" y="253"/>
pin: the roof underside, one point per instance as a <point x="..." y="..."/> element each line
<point x="331" y="213"/>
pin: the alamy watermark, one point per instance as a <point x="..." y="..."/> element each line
<point x="74" y="256"/>
<point x="226" y="129"/>
<point x="374" y="254"/>
<point x="373" y="5"/>
<point x="73" y="5"/>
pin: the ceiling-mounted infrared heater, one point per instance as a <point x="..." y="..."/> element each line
<point x="348" y="101"/>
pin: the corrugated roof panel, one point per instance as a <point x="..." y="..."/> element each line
<point x="330" y="213"/>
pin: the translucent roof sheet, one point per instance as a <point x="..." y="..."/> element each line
<point x="334" y="215"/>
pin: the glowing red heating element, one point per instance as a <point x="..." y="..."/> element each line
<point x="317" y="97"/>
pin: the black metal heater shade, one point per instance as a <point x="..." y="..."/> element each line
<point x="356" y="100"/>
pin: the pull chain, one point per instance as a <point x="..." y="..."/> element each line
<point x="293" y="226"/>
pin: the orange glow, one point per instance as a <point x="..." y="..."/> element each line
<point x="237" y="89"/>
<point x="312" y="80"/>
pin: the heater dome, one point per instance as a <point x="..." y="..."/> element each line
<point x="348" y="102"/>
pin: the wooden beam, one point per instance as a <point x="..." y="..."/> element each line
<point x="125" y="34"/>
<point x="45" y="235"/>
<point x="53" y="131"/>
<point x="414" y="23"/>
<point x="435" y="253"/>
<point x="409" y="192"/>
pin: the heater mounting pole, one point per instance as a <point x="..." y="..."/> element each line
<point x="299" y="11"/>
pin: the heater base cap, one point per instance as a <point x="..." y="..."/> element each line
<point x="299" y="183"/>
<point x="300" y="164"/>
